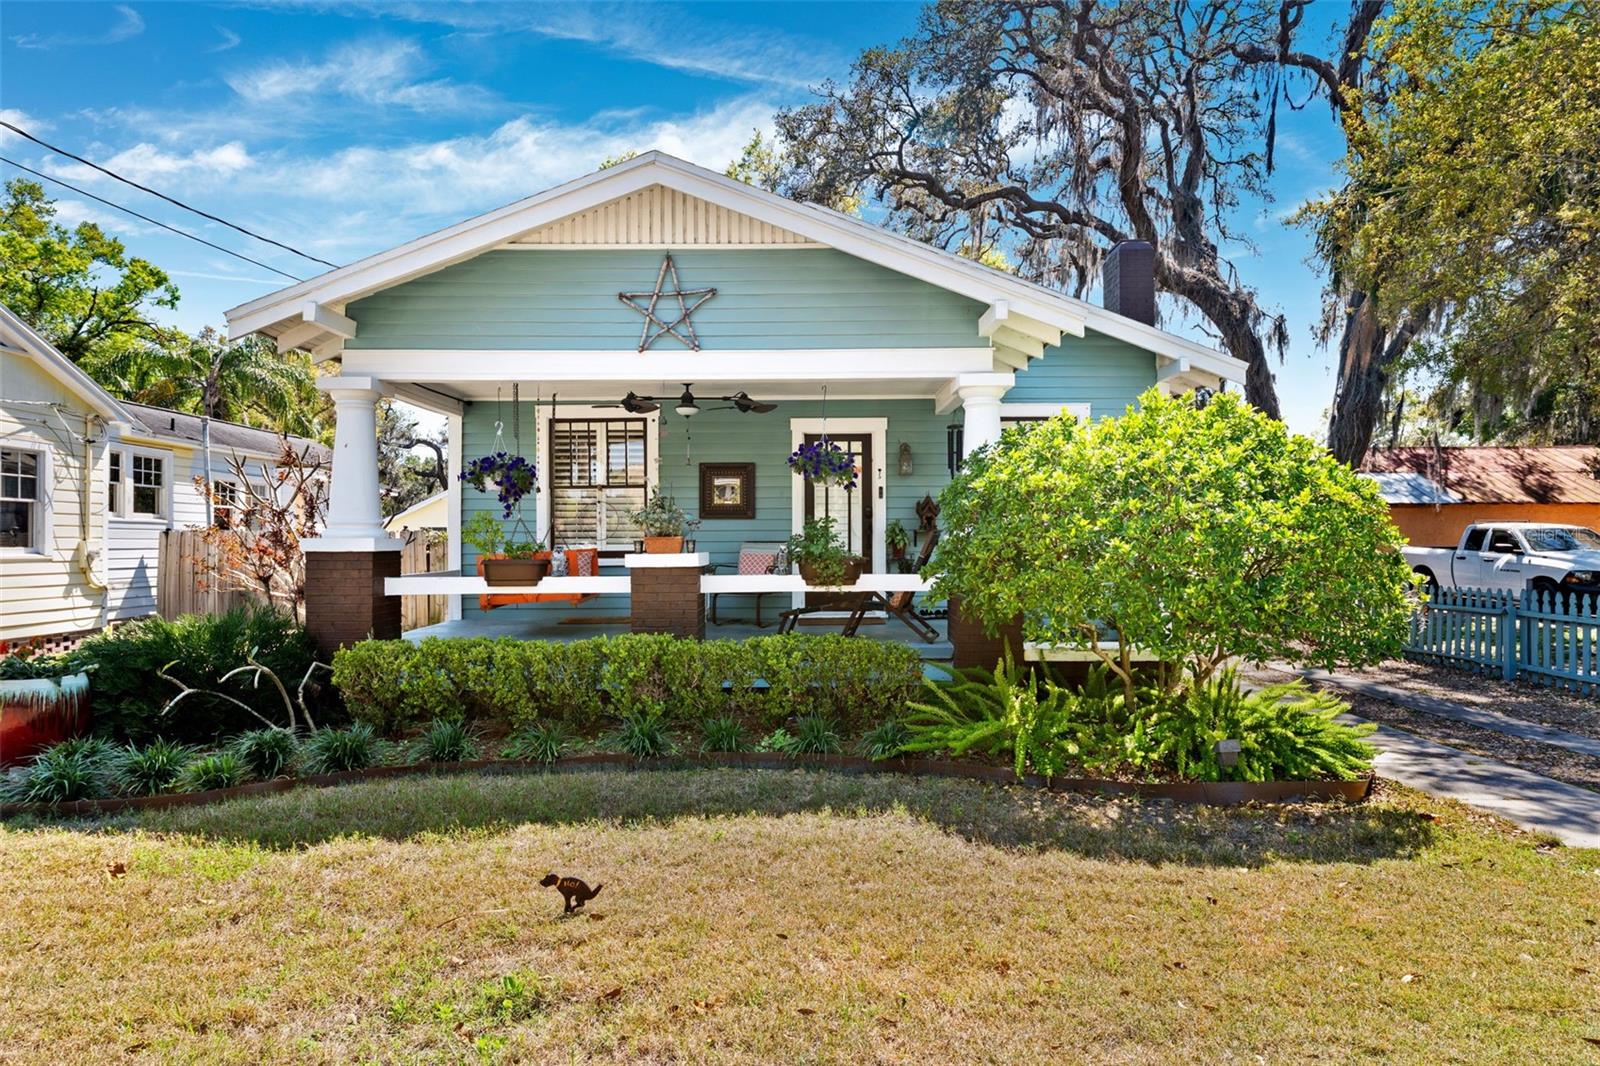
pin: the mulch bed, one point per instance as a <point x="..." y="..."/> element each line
<point x="1210" y="793"/>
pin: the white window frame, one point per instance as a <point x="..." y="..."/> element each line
<point x="43" y="515"/>
<point x="580" y="412"/>
<point x="878" y="430"/>
<point x="168" y="472"/>
<point x="236" y="496"/>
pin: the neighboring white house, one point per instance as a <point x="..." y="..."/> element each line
<point x="430" y="512"/>
<point x="88" y="484"/>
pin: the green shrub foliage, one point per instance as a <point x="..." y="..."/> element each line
<point x="396" y="685"/>
<point x="129" y="694"/>
<point x="224" y="769"/>
<point x="1195" y="533"/>
<point x="266" y="753"/>
<point x="331" y="751"/>
<point x="151" y="769"/>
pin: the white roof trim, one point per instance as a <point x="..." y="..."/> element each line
<point x="28" y="343"/>
<point x="336" y="288"/>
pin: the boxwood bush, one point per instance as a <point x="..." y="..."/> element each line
<point x="395" y="685"/>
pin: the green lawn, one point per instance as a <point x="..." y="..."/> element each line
<point x="761" y="917"/>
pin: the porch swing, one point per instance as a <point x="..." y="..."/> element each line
<point x="573" y="562"/>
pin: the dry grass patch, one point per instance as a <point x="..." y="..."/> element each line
<point x="792" y="917"/>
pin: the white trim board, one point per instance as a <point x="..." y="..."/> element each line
<point x="878" y="430"/>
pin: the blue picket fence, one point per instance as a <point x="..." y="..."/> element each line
<point x="1544" y="637"/>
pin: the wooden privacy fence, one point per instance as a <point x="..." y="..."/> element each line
<point x="187" y="582"/>
<point x="1550" y="638"/>
<point x="425" y="552"/>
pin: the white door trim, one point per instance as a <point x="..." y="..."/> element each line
<point x="878" y="430"/>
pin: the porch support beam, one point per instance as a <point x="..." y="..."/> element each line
<point x="951" y="394"/>
<point x="355" y="521"/>
<point x="330" y="320"/>
<point x="301" y="336"/>
<point x="1170" y="368"/>
<point x="1002" y="316"/>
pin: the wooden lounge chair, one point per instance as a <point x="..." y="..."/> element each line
<point x="754" y="558"/>
<point x="899" y="604"/>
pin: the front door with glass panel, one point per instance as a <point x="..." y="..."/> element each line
<point x="850" y="509"/>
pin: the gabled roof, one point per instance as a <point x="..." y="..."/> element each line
<point x="19" y="338"/>
<point x="1491" y="475"/>
<point x="187" y="429"/>
<point x="311" y="311"/>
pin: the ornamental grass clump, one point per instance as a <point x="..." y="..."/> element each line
<point x="721" y="734"/>
<point x="445" y="740"/>
<point x="151" y="769"/>
<point x="541" y="741"/>
<point x="332" y="751"/>
<point x="222" y="769"/>
<point x="886" y="740"/>
<point x="815" y="734"/>
<point x="71" y="770"/>
<point x="266" y="753"/>
<point x="643" y="736"/>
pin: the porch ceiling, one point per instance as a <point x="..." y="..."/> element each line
<point x="594" y="391"/>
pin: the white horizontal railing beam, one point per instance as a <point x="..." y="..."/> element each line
<point x="446" y="584"/>
<point x="735" y="583"/>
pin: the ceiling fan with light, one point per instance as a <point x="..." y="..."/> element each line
<point x="687" y="406"/>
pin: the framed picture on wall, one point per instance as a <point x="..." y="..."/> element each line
<point x="727" y="490"/>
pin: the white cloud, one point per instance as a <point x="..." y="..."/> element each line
<point x="146" y="163"/>
<point x="385" y="73"/>
<point x="18" y="117"/>
<point x="129" y="24"/>
<point x="229" y="40"/>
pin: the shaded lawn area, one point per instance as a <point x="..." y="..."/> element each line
<point x="793" y="916"/>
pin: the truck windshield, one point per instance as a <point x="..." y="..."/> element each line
<point x="1562" y="540"/>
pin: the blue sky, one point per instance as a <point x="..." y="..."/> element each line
<point x="345" y="128"/>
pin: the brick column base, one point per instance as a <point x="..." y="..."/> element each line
<point x="973" y="646"/>
<point x="667" y="599"/>
<point x="345" y="603"/>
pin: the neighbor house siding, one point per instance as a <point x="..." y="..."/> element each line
<point x="45" y="592"/>
<point x="1106" y="373"/>
<point x="567" y="300"/>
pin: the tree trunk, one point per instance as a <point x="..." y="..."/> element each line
<point x="1368" y="353"/>
<point x="1236" y="317"/>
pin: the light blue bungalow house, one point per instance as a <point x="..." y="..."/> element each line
<point x="658" y="278"/>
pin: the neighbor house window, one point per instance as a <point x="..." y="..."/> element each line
<point x="148" y="475"/>
<point x="224" y="498"/>
<point x="597" y="477"/>
<point x="19" y="498"/>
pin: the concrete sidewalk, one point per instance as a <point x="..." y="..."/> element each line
<point x="1533" y="801"/>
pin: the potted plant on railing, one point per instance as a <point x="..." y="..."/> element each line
<point x="822" y="556"/>
<point x="663" y="523"/>
<point x="823" y="462"/>
<point x="896" y="539"/>
<point x="503" y="562"/>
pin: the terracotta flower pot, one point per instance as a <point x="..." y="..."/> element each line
<point x="35" y="714"/>
<point x="663" y="545"/>
<point x="852" y="571"/>
<point x="515" y="571"/>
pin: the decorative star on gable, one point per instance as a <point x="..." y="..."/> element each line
<point x="664" y="323"/>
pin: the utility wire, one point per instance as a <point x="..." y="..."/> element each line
<point x="152" y="221"/>
<point x="145" y="188"/>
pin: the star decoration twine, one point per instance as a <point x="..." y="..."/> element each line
<point x="688" y="301"/>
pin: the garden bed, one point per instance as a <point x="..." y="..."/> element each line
<point x="1211" y="793"/>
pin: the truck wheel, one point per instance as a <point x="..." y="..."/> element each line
<point x="1430" y="584"/>
<point x="1547" y="593"/>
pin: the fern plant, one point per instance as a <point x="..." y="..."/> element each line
<point x="1285" y="732"/>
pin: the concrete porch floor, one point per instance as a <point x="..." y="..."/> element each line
<point x="528" y="625"/>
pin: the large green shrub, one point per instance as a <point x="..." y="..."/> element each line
<point x="129" y="693"/>
<point x="1195" y="533"/>
<point x="394" y="685"/>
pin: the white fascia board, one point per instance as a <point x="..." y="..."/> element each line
<point x="628" y="367"/>
<point x="1166" y="345"/>
<point x="427" y="399"/>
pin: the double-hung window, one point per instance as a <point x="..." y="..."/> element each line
<point x="20" y="503"/>
<point x="149" y="479"/>
<point x="597" y="476"/>
<point x="224" y="498"/>
<point x="114" y="484"/>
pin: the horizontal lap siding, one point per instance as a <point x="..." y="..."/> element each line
<point x="557" y="299"/>
<point x="1106" y="373"/>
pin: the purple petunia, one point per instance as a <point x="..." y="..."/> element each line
<point x="825" y="463"/>
<point x="512" y="476"/>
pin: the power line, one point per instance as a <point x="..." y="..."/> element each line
<point x="145" y="188"/>
<point x="152" y="221"/>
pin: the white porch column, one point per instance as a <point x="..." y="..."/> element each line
<point x="355" y="521"/>
<point x="980" y="405"/>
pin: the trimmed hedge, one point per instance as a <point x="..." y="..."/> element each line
<point x="395" y="684"/>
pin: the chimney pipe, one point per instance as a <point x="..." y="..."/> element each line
<point x="1128" y="281"/>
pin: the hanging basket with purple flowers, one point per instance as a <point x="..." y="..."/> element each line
<point x="824" y="463"/>
<point x="511" y="476"/>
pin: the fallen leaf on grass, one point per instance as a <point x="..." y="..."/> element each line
<point x="116" y="869"/>
<point x="610" y="994"/>
<point x="1408" y="978"/>
<point x="783" y="936"/>
<point x="1211" y="900"/>
<point x="1002" y="967"/>
<point x="595" y="917"/>
<point x="807" y="1011"/>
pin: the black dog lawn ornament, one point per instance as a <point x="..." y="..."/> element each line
<point x="574" y="891"/>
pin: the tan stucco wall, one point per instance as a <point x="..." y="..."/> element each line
<point x="1424" y="524"/>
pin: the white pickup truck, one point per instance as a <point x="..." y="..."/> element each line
<point x="1515" y="557"/>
